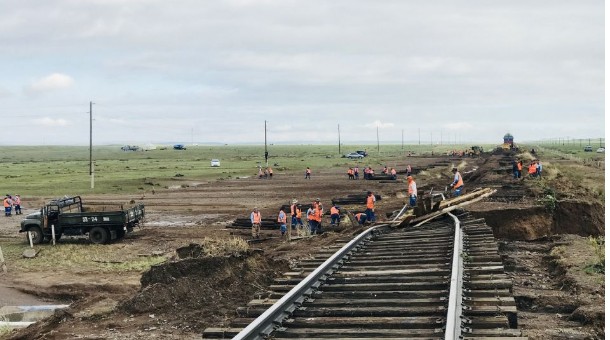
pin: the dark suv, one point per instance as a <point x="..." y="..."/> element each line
<point x="588" y="148"/>
<point x="363" y="153"/>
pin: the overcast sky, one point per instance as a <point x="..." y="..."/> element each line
<point x="214" y="71"/>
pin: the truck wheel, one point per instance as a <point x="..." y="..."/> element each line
<point x="37" y="236"/>
<point x="99" y="235"/>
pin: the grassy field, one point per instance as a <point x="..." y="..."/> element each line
<point x="64" y="170"/>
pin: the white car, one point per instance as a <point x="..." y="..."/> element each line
<point x="354" y="155"/>
<point x="601" y="150"/>
<point x="215" y="162"/>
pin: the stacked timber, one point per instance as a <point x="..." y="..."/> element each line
<point x="354" y="199"/>
<point x="245" y="223"/>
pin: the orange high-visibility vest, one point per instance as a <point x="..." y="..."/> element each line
<point x="299" y="213"/>
<point x="334" y="211"/>
<point x="370" y="203"/>
<point x="412" y="188"/>
<point x="317" y="215"/>
<point x="7" y="203"/>
<point x="357" y="216"/>
<point x="532" y="169"/>
<point x="256" y="217"/>
<point x="460" y="182"/>
<point x="519" y="166"/>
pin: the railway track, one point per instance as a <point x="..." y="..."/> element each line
<point x="443" y="279"/>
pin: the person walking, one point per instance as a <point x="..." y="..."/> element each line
<point x="412" y="191"/>
<point x="458" y="183"/>
<point x="356" y="173"/>
<point x="260" y="173"/>
<point x="408" y="169"/>
<point x="17" y="204"/>
<point x="370" y="207"/>
<point x="256" y="219"/>
<point x="308" y="173"/>
<point x="281" y="218"/>
<point x="270" y="172"/>
<point x="334" y="215"/>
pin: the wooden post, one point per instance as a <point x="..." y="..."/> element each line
<point x="2" y="263"/>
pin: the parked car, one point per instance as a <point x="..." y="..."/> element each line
<point x="601" y="150"/>
<point x="354" y="155"/>
<point x="130" y="148"/>
<point x="215" y="162"/>
<point x="363" y="153"/>
<point x="179" y="147"/>
<point x="588" y="148"/>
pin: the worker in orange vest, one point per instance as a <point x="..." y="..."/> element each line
<point x="412" y="191"/>
<point x="458" y="183"/>
<point x="393" y="173"/>
<point x="281" y="218"/>
<point x="519" y="168"/>
<point x="295" y="214"/>
<point x="531" y="170"/>
<point x="361" y="218"/>
<point x="356" y="173"/>
<point x="350" y="173"/>
<point x="270" y="172"/>
<point x="334" y="215"/>
<point x="308" y="173"/>
<point x="256" y="219"/>
<point x="370" y="207"/>
<point x="17" y="204"/>
<point x="8" y="205"/>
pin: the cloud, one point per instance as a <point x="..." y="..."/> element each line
<point x="52" y="82"/>
<point x="379" y="124"/>
<point x="50" y="122"/>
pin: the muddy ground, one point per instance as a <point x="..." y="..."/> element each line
<point x="545" y="252"/>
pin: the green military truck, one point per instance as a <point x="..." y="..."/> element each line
<point x="69" y="217"/>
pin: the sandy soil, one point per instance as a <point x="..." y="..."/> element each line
<point x="112" y="306"/>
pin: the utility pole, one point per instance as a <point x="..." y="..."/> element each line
<point x="266" y="153"/>
<point x="91" y="144"/>
<point x="339" y="133"/>
<point x="402" y="145"/>
<point x="419" y="136"/>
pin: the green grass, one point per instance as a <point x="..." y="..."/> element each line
<point x="64" y="170"/>
<point x="76" y="257"/>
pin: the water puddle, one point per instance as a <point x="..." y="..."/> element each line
<point x="23" y="316"/>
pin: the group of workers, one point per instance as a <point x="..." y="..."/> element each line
<point x="11" y="202"/>
<point x="316" y="210"/>
<point x="313" y="215"/>
<point x="369" y="173"/>
<point x="534" y="169"/>
<point x="267" y="173"/>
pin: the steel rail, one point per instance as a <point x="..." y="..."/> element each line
<point x="266" y="322"/>
<point x="453" y="328"/>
